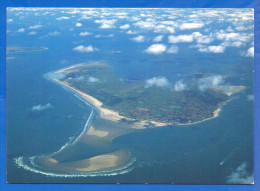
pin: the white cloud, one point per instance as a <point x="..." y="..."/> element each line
<point x="157" y="82"/>
<point x="126" y="26"/>
<point x="213" y="49"/>
<point x="211" y="81"/>
<point x="106" y="24"/>
<point x="78" y="25"/>
<point x="58" y="76"/>
<point x="156" y="49"/>
<point x="163" y="29"/>
<point x="84" y="17"/>
<point x="85" y="33"/>
<point x="131" y="32"/>
<point x="232" y="44"/>
<point x="203" y="39"/>
<point x="32" y="33"/>
<point x="62" y="18"/>
<point x="35" y="27"/>
<point x="185" y="26"/>
<point x="180" y="38"/>
<point x="240" y="176"/>
<point x="173" y="49"/>
<point x="41" y="107"/>
<point x="243" y="37"/>
<point x="21" y="30"/>
<point x="227" y="36"/>
<point x="55" y="33"/>
<point x="180" y="86"/>
<point x="93" y="79"/>
<point x="139" y="38"/>
<point x="145" y="24"/>
<point x="158" y="38"/>
<point x="82" y="48"/>
<point x="10" y="20"/>
<point x="250" y="52"/>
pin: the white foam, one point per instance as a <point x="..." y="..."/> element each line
<point x="21" y="162"/>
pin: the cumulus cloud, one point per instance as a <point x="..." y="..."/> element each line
<point x="180" y="38"/>
<point x="41" y="107"/>
<point x="145" y="24"/>
<point x="62" y="18"/>
<point x="78" y="25"/>
<point x="180" y="86"/>
<point x="157" y="82"/>
<point x="185" y="26"/>
<point x="240" y="175"/>
<point x="83" y="49"/>
<point x="131" y="32"/>
<point x="139" y="38"/>
<point x="163" y="29"/>
<point x="213" y="49"/>
<point x="32" y="33"/>
<point x="242" y="37"/>
<point x="250" y="52"/>
<point x="158" y="38"/>
<point x="227" y="36"/>
<point x="10" y="20"/>
<point x="126" y="26"/>
<point x="203" y="39"/>
<point x="35" y="27"/>
<point x="93" y="79"/>
<point x="232" y="44"/>
<point x="106" y="24"/>
<point x="173" y="49"/>
<point x="58" y="76"/>
<point x="156" y="49"/>
<point x="85" y="33"/>
<point x="21" y="30"/>
<point x="84" y="17"/>
<point x="211" y="81"/>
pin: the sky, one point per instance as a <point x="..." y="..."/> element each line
<point x="205" y="30"/>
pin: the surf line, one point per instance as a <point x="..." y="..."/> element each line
<point x="87" y="125"/>
<point x="30" y="165"/>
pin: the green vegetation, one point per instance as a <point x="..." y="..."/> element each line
<point x="133" y="100"/>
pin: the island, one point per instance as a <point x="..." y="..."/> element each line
<point x="120" y="106"/>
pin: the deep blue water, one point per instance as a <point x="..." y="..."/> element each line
<point x="177" y="154"/>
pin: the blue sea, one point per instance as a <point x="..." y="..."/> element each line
<point x="138" y="44"/>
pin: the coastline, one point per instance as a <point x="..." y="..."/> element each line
<point x="115" y="116"/>
<point x="215" y="114"/>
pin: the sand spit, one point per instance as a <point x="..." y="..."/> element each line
<point x="108" y="161"/>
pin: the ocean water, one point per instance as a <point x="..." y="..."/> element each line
<point x="173" y="155"/>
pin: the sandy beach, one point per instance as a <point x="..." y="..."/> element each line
<point x="114" y="116"/>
